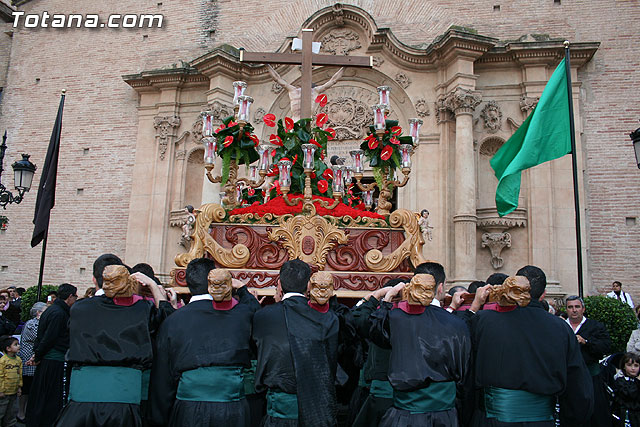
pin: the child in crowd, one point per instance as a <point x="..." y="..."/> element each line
<point x="10" y="380"/>
<point x="626" y="388"/>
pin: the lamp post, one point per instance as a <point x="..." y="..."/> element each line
<point x="23" y="171"/>
<point x="635" y="138"/>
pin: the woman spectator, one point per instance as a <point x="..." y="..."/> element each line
<point x="28" y="337"/>
<point x="9" y="316"/>
<point x="633" y="345"/>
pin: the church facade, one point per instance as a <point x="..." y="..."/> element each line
<point x="131" y="156"/>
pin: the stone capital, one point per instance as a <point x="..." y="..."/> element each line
<point x="462" y="101"/>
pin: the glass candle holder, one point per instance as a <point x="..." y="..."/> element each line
<point x="238" y="90"/>
<point x="244" y="102"/>
<point x="284" y="169"/>
<point x="253" y="173"/>
<point x="209" y="150"/>
<point x="264" y="151"/>
<point x="347" y="174"/>
<point x="207" y="124"/>
<point x="367" y="198"/>
<point x="378" y="116"/>
<point x="338" y="180"/>
<point x="356" y="155"/>
<point x="405" y="155"/>
<point x="383" y="91"/>
<point x="414" y="129"/>
<point x="309" y="151"/>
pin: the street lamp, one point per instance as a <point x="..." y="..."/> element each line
<point x="635" y="137"/>
<point x="23" y="171"/>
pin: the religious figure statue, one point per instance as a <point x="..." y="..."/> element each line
<point x="117" y="282"/>
<point x="513" y="291"/>
<point x="220" y="287"/>
<point x="187" y="227"/>
<point x="420" y="290"/>
<point x="320" y="287"/>
<point x="425" y="225"/>
<point x="295" y="92"/>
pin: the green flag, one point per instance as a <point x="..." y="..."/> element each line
<point x="544" y="135"/>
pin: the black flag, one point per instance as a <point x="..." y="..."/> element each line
<point x="47" y="188"/>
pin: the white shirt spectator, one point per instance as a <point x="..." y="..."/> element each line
<point x="623" y="296"/>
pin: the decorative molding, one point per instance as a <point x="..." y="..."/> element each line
<point x="496" y="242"/>
<point x="276" y="88"/>
<point x="422" y="107"/>
<point x="338" y="14"/>
<point x="181" y="154"/>
<point x="528" y="103"/>
<point x="492" y="117"/>
<point x="488" y="219"/>
<point x="340" y="42"/>
<point x="490" y="146"/>
<point x="378" y="61"/>
<point x="513" y="124"/>
<point x="165" y="126"/>
<point x="258" y="115"/>
<point x="220" y="111"/>
<point x="442" y="113"/>
<point x="461" y="100"/>
<point x="348" y="116"/>
<point x="196" y="129"/>
<point x="403" y="79"/>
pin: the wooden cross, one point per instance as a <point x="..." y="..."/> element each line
<point x="307" y="60"/>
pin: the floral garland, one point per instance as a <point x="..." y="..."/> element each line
<point x="233" y="145"/>
<point x="384" y="154"/>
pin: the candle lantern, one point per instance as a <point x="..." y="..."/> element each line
<point x="338" y="183"/>
<point x="253" y="173"/>
<point x="238" y="90"/>
<point x="209" y="150"/>
<point x="347" y="174"/>
<point x="367" y="197"/>
<point x="308" y="150"/>
<point x="207" y="124"/>
<point x="378" y="116"/>
<point x="222" y="196"/>
<point x="405" y="155"/>
<point x="383" y="91"/>
<point x="244" y="103"/>
<point x="356" y="155"/>
<point x="264" y="151"/>
<point x="414" y="129"/>
<point x="284" y="169"/>
<point x="239" y="191"/>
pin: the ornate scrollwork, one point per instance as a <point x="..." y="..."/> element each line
<point x="202" y="242"/>
<point x="259" y="114"/>
<point x="422" y="107"/>
<point x="378" y="61"/>
<point x="341" y="42"/>
<point x="403" y="80"/>
<point x="528" y="103"/>
<point x="411" y="247"/>
<point x="314" y="231"/>
<point x="492" y="116"/>
<point x="196" y="130"/>
<point x="496" y="242"/>
<point x="462" y="100"/>
<point x="348" y="116"/>
<point x="164" y="130"/>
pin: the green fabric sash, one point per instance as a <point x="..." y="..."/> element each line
<point x="113" y="384"/>
<point x="249" y="380"/>
<point x="594" y="368"/>
<point x="54" y="354"/>
<point x="381" y="389"/>
<point x="211" y="384"/>
<point x="516" y="406"/>
<point x="282" y="405"/>
<point x="146" y="374"/>
<point x="440" y="396"/>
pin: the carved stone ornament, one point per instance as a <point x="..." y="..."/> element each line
<point x="462" y="100"/>
<point x="348" y="116"/>
<point x="220" y="111"/>
<point x="411" y="247"/>
<point x="276" y="88"/>
<point x="164" y="130"/>
<point x="528" y="103"/>
<point x="202" y="242"/>
<point x="403" y="80"/>
<point x="313" y="232"/>
<point x="492" y="117"/>
<point x="378" y="61"/>
<point x="196" y="130"/>
<point x="258" y="115"/>
<point x="491" y="146"/>
<point x="442" y="112"/>
<point x="340" y="42"/>
<point x="338" y="14"/>
<point x="422" y="107"/>
<point x="181" y="154"/>
<point x="496" y="242"/>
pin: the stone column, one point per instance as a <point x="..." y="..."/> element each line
<point x="463" y="102"/>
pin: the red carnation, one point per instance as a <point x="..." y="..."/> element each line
<point x="227" y="141"/>
<point x="387" y="151"/>
<point x="288" y="123"/>
<point x="323" y="186"/>
<point x="321" y="99"/>
<point x="394" y="140"/>
<point x="275" y="140"/>
<point x="321" y="119"/>
<point x="269" y="120"/>
<point x="327" y="174"/>
<point x="332" y="133"/>
<point x="373" y="143"/>
<point x="396" y="130"/>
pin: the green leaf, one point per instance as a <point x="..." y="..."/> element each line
<point x="377" y="175"/>
<point x="226" y="161"/>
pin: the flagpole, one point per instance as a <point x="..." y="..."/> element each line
<point x="574" y="165"/>
<point x="44" y="251"/>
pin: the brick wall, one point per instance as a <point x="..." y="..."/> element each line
<point x="100" y="111"/>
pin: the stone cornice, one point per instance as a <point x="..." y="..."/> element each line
<point x="171" y="77"/>
<point x="539" y="52"/>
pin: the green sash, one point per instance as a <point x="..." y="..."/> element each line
<point x="146" y="374"/>
<point x="211" y="384"/>
<point x="250" y="378"/>
<point x="54" y="354"/>
<point x="113" y="384"/>
<point x="516" y="406"/>
<point x="282" y="405"/>
<point x="362" y="382"/>
<point x="440" y="396"/>
<point x="381" y="389"/>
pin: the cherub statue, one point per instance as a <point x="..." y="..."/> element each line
<point x="320" y="287"/>
<point x="513" y="291"/>
<point x="220" y="287"/>
<point x="295" y="92"/>
<point x="420" y="290"/>
<point x="425" y="225"/>
<point x="187" y="227"/>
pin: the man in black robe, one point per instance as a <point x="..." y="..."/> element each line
<point x="297" y="355"/>
<point x="525" y="358"/>
<point x="430" y="354"/>
<point x="202" y="350"/>
<point x="110" y="346"/>
<point x="594" y="341"/>
<point x="48" y="391"/>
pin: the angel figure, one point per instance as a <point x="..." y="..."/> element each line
<point x="187" y="227"/>
<point x="425" y="225"/>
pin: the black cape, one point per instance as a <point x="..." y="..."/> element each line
<point x="294" y="341"/>
<point x="197" y="336"/>
<point x="433" y="346"/>
<point x="530" y="349"/>
<point x="105" y="334"/>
